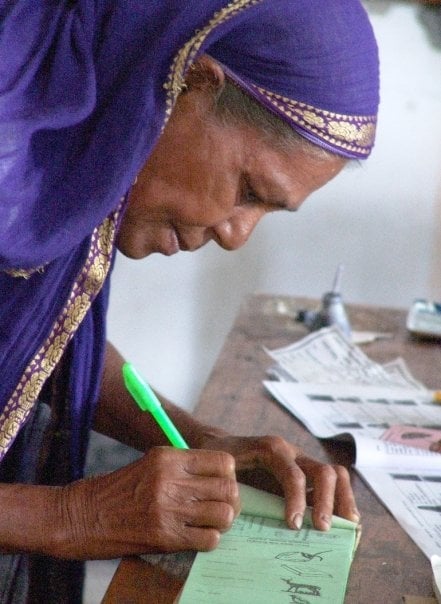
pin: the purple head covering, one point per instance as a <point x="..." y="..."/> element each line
<point x="85" y="90"/>
<point x="316" y="66"/>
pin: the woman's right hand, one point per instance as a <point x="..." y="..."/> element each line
<point x="169" y="500"/>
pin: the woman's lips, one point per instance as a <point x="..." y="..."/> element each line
<point x="193" y="243"/>
<point x="169" y="243"/>
<point x="173" y="242"/>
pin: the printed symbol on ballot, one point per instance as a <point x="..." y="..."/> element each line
<point x="304" y="564"/>
<point x="302" y="556"/>
<point x="303" y="589"/>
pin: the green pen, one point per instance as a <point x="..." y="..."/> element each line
<point x="148" y="401"/>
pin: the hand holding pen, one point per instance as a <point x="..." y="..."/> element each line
<point x="287" y="462"/>
<point x="169" y="500"/>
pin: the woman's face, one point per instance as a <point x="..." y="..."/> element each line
<point x="207" y="181"/>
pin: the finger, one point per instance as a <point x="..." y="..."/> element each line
<point x="332" y="493"/>
<point x="223" y="490"/>
<point x="200" y="539"/>
<point x="345" y="505"/>
<point x="324" y="478"/>
<point x="201" y="524"/>
<point x="209" y="463"/>
<point x="293" y="481"/>
<point x="331" y="485"/>
<point x="210" y="514"/>
<point x="280" y="457"/>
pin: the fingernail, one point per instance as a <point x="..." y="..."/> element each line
<point x="355" y="515"/>
<point x="326" y="520"/>
<point x="298" y="521"/>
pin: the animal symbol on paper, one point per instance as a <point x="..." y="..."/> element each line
<point x="302" y="588"/>
<point x="304" y="564"/>
<point x="302" y="556"/>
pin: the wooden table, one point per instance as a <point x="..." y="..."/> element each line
<point x="387" y="565"/>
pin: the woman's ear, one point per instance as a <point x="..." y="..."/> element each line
<point x="205" y="74"/>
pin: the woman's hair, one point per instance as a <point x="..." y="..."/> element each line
<point x="234" y="106"/>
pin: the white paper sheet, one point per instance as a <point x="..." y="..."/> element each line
<point x="406" y="479"/>
<point x="326" y="356"/>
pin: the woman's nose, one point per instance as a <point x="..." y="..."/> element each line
<point x="233" y="232"/>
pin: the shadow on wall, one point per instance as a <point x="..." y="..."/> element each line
<point x="430" y="18"/>
<point x="429" y="15"/>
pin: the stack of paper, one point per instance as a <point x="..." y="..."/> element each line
<point x="336" y="391"/>
<point x="260" y="560"/>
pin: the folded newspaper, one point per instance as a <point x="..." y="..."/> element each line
<point x="326" y="356"/>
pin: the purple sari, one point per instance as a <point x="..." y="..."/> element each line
<point x="86" y="88"/>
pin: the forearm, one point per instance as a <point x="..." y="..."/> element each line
<point x="31" y="519"/>
<point x="118" y="415"/>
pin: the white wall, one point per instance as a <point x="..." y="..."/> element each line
<point x="382" y="220"/>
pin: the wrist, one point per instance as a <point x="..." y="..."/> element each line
<point x="206" y="437"/>
<point x="77" y="520"/>
<point x="29" y="519"/>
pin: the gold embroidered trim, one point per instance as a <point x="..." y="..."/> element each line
<point x="24" y="273"/>
<point x="188" y="53"/>
<point x="86" y="286"/>
<point x="350" y="132"/>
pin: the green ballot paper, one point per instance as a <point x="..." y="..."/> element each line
<point x="261" y="561"/>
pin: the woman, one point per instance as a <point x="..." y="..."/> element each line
<point x="151" y="129"/>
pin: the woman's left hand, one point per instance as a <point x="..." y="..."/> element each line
<point x="328" y="486"/>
